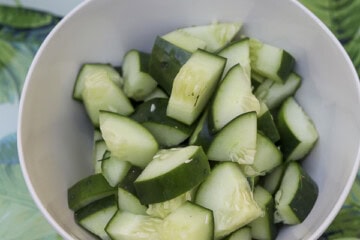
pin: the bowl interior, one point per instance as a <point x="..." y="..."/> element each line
<point x="55" y="136"/>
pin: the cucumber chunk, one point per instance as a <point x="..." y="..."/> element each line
<point x="239" y="147"/>
<point x="130" y="203"/>
<point x="266" y="123"/>
<point x="270" y="61"/>
<point x="227" y="193"/>
<point x="185" y="40"/>
<point x="157" y="93"/>
<point x="267" y="157"/>
<point x="202" y="136"/>
<point x="114" y="169"/>
<point x="271" y="181"/>
<point x="297" y="132"/>
<point x="138" y="83"/>
<point x="101" y="93"/>
<point x="171" y="173"/>
<point x="130" y="226"/>
<point x="216" y="35"/>
<point x="296" y="196"/>
<point x="162" y="209"/>
<point x="273" y="93"/>
<point x="264" y="227"/>
<point x="194" y="85"/>
<point x="95" y="216"/>
<point x="235" y="93"/>
<point x="243" y="233"/>
<point x="188" y="222"/>
<point x="89" y="70"/>
<point x="88" y="190"/>
<point x="98" y="153"/>
<point x="127" y="139"/>
<point x="128" y="182"/>
<point x="167" y="131"/>
<point x="166" y="61"/>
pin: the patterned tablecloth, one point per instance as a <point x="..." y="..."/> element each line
<point x="22" y="30"/>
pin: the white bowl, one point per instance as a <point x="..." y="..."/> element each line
<point x="55" y="137"/>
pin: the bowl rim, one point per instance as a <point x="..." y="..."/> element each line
<point x="68" y="17"/>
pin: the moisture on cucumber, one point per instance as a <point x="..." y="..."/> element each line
<point x="200" y="138"/>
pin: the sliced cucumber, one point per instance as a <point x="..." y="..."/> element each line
<point x="271" y="181"/>
<point x="128" y="182"/>
<point x="189" y="222"/>
<point x="101" y="93"/>
<point x="227" y="193"/>
<point x="95" y="216"/>
<point x="296" y="196"/>
<point x="237" y="52"/>
<point x="297" y="132"/>
<point x="88" y="190"/>
<point x="127" y="139"/>
<point x="266" y="123"/>
<point x="194" y="85"/>
<point x="270" y="61"/>
<point x="166" y="61"/>
<point x="130" y="226"/>
<point x="162" y="209"/>
<point x="239" y="147"/>
<point x="157" y="93"/>
<point x="171" y="173"/>
<point x="138" y="83"/>
<point x="236" y="94"/>
<point x="216" y="35"/>
<point x="98" y="153"/>
<point x="267" y="157"/>
<point x="202" y="136"/>
<point x="264" y="227"/>
<point x="167" y="131"/>
<point x="185" y="40"/>
<point x="91" y="70"/>
<point x="243" y="233"/>
<point x="129" y="202"/>
<point x="114" y="169"/>
<point x="273" y="93"/>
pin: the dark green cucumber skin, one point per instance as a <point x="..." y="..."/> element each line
<point x="144" y="113"/>
<point x="306" y="194"/>
<point x="288" y="141"/>
<point x="88" y="190"/>
<point x="286" y="66"/>
<point x="128" y="182"/>
<point x="267" y="126"/>
<point x="165" y="62"/>
<point x="164" y="188"/>
<point x="204" y="137"/>
<point x="94" y="207"/>
<point x="144" y="61"/>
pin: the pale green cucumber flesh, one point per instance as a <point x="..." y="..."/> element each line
<point x="194" y="85"/>
<point x="189" y="222"/>
<point x="233" y="206"/>
<point x="127" y="139"/>
<point x="243" y="233"/>
<point x="296" y="196"/>
<point x="88" y="190"/>
<point x="129" y="202"/>
<point x="95" y="216"/>
<point x="171" y="173"/>
<point x="165" y="62"/>
<point x="114" y="170"/>
<point x="235" y="93"/>
<point x="239" y="147"/>
<point x="98" y="153"/>
<point x="157" y="93"/>
<point x="184" y="40"/>
<point x="271" y="181"/>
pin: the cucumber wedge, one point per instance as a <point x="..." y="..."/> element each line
<point x="114" y="169"/>
<point x="89" y="70"/>
<point x="166" y="61"/>
<point x="243" y="233"/>
<point x="95" y="216"/>
<point x="270" y="61"/>
<point x="194" y="85"/>
<point x="189" y="222"/>
<point x="184" y="40"/>
<point x="296" y="196"/>
<point x="202" y="136"/>
<point x="271" y="181"/>
<point x="130" y="226"/>
<point x="101" y="93"/>
<point x="130" y="203"/>
<point x="298" y="134"/>
<point x="127" y="139"/>
<point x="266" y="124"/>
<point x="239" y="147"/>
<point x="98" y="154"/>
<point x="138" y="83"/>
<point x="171" y="173"/>
<point x="216" y="35"/>
<point x="227" y="193"/>
<point x="235" y="93"/>
<point x="88" y="190"/>
<point x="157" y="93"/>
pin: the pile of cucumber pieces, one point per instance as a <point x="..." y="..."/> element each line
<point x="200" y="139"/>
